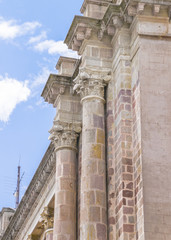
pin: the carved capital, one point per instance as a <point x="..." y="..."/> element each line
<point x="32" y="237"/>
<point x="90" y="84"/>
<point x="64" y="135"/>
<point x="47" y="218"/>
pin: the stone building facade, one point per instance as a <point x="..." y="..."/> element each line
<point x="106" y="173"/>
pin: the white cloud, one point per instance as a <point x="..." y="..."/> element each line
<point x="41" y="77"/>
<point x="12" y="92"/>
<point x="10" y="29"/>
<point x="53" y="48"/>
<point x="38" y="38"/>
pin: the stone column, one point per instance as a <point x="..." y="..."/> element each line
<point x="64" y="133"/>
<point x="93" y="171"/>
<point x="65" y="140"/>
<point x="47" y="221"/>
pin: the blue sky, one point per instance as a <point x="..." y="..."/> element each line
<point x="31" y="41"/>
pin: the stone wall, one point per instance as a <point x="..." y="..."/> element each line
<point x="155" y="76"/>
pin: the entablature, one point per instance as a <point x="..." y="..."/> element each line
<point x="95" y="8"/>
<point x="66" y="66"/>
<point x="116" y="16"/>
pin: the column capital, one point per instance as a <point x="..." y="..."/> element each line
<point x="47" y="218"/>
<point x="64" y="135"/>
<point x="90" y="83"/>
<point x="32" y="237"/>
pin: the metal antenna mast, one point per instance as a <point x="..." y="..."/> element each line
<point x="18" y="187"/>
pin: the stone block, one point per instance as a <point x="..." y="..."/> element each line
<point x="96" y="151"/>
<point x="101" y="231"/>
<point x="100" y="136"/>
<point x="94" y="214"/>
<point x="97" y="182"/>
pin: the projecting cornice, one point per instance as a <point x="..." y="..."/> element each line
<point x="86" y="28"/>
<point x="43" y="172"/>
<point x="81" y="28"/>
<point x="55" y="86"/>
<point x="95" y="2"/>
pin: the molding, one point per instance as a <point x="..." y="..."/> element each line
<point x="66" y="60"/>
<point x="55" y="86"/>
<point x="95" y="2"/>
<point x="81" y="28"/>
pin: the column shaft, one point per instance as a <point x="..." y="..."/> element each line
<point x="49" y="235"/>
<point x="65" y="195"/>
<point x="93" y="172"/>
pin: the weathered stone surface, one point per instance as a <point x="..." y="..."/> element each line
<point x="119" y="93"/>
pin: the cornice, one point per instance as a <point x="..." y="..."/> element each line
<point x="83" y="28"/>
<point x="44" y="170"/>
<point x="55" y="86"/>
<point x="96" y="2"/>
<point x="66" y="59"/>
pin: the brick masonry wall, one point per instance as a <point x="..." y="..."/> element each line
<point x="137" y="150"/>
<point x="124" y="185"/>
<point x="110" y="160"/>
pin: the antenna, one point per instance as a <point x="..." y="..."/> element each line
<point x="17" y="194"/>
<point x="17" y="191"/>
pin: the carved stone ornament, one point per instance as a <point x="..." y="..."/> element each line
<point x="32" y="237"/>
<point x="47" y="218"/>
<point x="89" y="83"/>
<point x="64" y="135"/>
<point x="102" y="30"/>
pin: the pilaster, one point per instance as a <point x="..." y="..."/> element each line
<point x="123" y="165"/>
